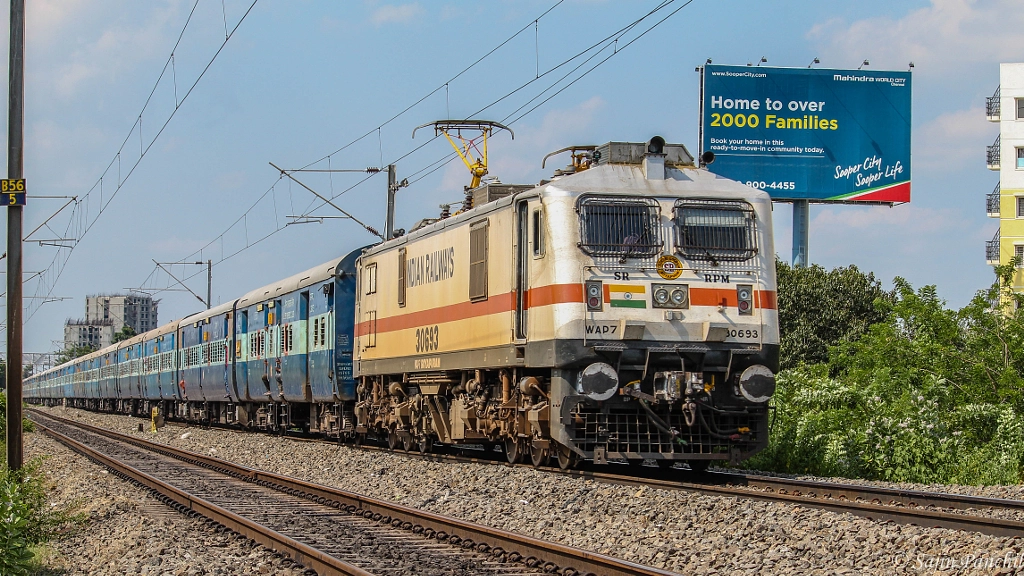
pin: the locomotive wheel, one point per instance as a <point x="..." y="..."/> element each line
<point x="426" y="445"/>
<point x="538" y="455"/>
<point x="566" y="457"/>
<point x="408" y="443"/>
<point x="635" y="461"/>
<point x="513" y="451"/>
<point x="393" y="440"/>
<point x="699" y="465"/>
<point x="665" y="464"/>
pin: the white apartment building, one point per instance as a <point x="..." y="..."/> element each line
<point x="1006" y="155"/>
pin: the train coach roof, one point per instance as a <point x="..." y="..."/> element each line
<point x="292" y="283"/>
<point x="215" y="311"/>
<point x="168" y="328"/>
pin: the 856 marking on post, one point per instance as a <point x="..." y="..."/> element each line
<point x="12" y="191"/>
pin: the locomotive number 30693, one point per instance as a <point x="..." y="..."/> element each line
<point x="426" y="339"/>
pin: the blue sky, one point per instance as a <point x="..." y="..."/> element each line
<point x="300" y="79"/>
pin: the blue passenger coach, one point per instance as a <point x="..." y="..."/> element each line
<point x="278" y="357"/>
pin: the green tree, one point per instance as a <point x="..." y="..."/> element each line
<point x="929" y="394"/>
<point x="124" y="333"/>
<point x="819" y="308"/>
<point x="69" y="354"/>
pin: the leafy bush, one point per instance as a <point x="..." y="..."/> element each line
<point x="25" y="518"/>
<point x="27" y="424"/>
<point x="926" y="395"/>
<point x="15" y="555"/>
<point x="821" y="308"/>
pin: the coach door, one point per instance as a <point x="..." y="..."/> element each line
<point x="522" y="268"/>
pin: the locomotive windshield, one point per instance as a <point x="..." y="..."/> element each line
<point x="715" y="230"/>
<point x="620" y="227"/>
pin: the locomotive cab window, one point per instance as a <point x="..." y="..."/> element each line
<point x="620" y="227"/>
<point x="478" y="261"/>
<point x="715" y="230"/>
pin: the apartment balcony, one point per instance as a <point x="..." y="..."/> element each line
<point x="992" y="154"/>
<point x="992" y="202"/>
<point x="992" y="107"/>
<point x="992" y="250"/>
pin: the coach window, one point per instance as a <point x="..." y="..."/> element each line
<point x="371" y="278"/>
<point x="478" y="261"/>
<point x="1020" y="206"/>
<point x="401" y="277"/>
<point x="1020" y="108"/>
<point x="538" y="234"/>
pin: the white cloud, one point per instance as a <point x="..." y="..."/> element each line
<point x="388" y="13"/>
<point x="940" y="39"/>
<point x="952" y="139"/>
<point x="557" y="129"/>
<point x="116" y="48"/>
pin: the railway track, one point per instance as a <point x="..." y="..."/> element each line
<point x="928" y="509"/>
<point x="329" y="530"/>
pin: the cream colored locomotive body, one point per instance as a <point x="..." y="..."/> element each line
<point x="484" y="327"/>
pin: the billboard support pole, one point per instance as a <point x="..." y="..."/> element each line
<point x="801" y="226"/>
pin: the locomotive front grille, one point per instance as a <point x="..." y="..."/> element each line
<point x="629" y="434"/>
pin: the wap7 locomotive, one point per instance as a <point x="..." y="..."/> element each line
<point x="623" y="310"/>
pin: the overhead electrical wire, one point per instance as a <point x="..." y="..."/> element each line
<point x="363" y="136"/>
<point x="601" y="46"/>
<point x="57" y="266"/>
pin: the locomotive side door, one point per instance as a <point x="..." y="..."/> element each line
<point x="369" y="288"/>
<point x="522" y="268"/>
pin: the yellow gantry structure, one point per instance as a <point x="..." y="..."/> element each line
<point x="466" y="147"/>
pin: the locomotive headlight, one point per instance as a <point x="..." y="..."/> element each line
<point x="678" y="296"/>
<point x="671" y="295"/>
<point x="744" y="293"/>
<point x="661" y="296"/>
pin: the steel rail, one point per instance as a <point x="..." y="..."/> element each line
<point x="877" y="494"/>
<point x="872" y="502"/>
<point x="532" y="551"/>
<point x="299" y="552"/>
<point x="748" y="483"/>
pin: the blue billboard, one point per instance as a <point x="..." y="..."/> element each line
<point x="810" y="134"/>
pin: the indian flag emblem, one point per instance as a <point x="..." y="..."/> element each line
<point x="626" y="296"/>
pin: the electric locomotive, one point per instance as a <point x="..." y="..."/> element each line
<point x="624" y="309"/>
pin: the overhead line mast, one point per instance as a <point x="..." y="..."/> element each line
<point x="15" y="171"/>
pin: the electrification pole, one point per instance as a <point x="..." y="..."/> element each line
<point x="209" y="284"/>
<point x="14" y="199"/>
<point x="389" y="223"/>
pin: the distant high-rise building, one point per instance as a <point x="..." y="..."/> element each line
<point x="1006" y="155"/>
<point x="107" y="314"/>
